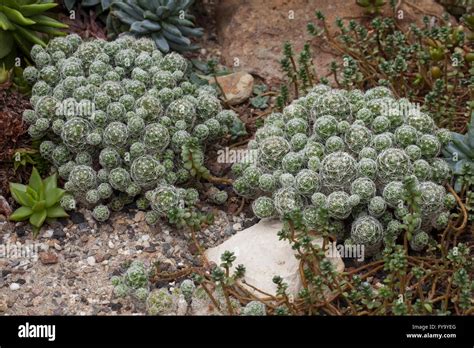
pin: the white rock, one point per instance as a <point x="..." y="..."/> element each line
<point x="14" y="286"/>
<point x="91" y="260"/>
<point x="237" y="226"/>
<point x="48" y="233"/>
<point x="265" y="256"/>
<point x="111" y="244"/>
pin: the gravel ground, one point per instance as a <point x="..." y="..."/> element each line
<point x="70" y="274"/>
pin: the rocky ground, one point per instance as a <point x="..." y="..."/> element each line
<point x="77" y="257"/>
<point x="251" y="33"/>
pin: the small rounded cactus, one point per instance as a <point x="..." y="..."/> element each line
<point x="364" y="188"/>
<point x="263" y="207"/>
<point x="101" y="213"/>
<point x="254" y="308"/>
<point x="159" y="302"/>
<point x="419" y="241"/>
<point x="338" y="170"/>
<point x="187" y="288"/>
<point x="82" y="178"/>
<point x="163" y="198"/>
<point x="367" y="231"/>
<point x="338" y="204"/>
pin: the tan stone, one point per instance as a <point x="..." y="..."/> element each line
<point x="252" y="33"/>
<point x="48" y="258"/>
<point x="237" y="86"/>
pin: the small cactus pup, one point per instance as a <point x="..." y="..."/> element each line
<point x="122" y="123"/>
<point x="339" y="158"/>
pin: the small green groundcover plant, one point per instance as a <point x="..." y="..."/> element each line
<point x="198" y="293"/>
<point x="39" y="200"/>
<point x="122" y="123"/>
<point x="352" y="158"/>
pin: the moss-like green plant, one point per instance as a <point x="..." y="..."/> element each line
<point x="39" y="200"/>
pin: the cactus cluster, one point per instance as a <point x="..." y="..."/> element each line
<point x="135" y="281"/>
<point x="115" y="117"/>
<point x="348" y="153"/>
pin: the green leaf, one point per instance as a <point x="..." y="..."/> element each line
<point x="19" y="194"/>
<point x="50" y="183"/>
<point x="89" y="3"/>
<point x="49" y="22"/>
<point x="161" y="42"/>
<point x="200" y="65"/>
<point x="145" y="26"/>
<point x="180" y="40"/>
<point x="5" y="23"/>
<point x="259" y="102"/>
<point x="22" y="43"/>
<point x="129" y="10"/>
<point x="39" y="206"/>
<point x="106" y="4"/>
<point x="196" y="32"/>
<point x="35" y="181"/>
<point x="21" y="214"/>
<point x="54" y="196"/>
<point x="259" y="89"/>
<point x="69" y="4"/>
<point x="56" y="212"/>
<point x="34" y="9"/>
<point x="6" y="43"/>
<point x="37" y="219"/>
<point x="32" y="193"/>
<point x="170" y="28"/>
